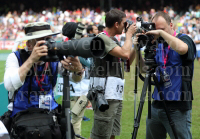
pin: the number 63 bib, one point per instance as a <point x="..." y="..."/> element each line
<point x="114" y="88"/>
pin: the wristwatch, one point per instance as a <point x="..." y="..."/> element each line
<point x="80" y="72"/>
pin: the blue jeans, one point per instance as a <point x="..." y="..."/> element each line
<point x="158" y="126"/>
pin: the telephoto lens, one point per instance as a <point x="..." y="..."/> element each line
<point x="102" y="103"/>
<point x="79" y="31"/>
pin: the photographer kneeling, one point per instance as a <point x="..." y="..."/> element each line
<point x="174" y="72"/>
<point x="30" y="83"/>
<point x="107" y="81"/>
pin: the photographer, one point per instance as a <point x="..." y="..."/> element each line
<point x="30" y="82"/>
<point x="78" y="91"/>
<point x="107" y="74"/>
<point x="174" y="72"/>
<point x="92" y="30"/>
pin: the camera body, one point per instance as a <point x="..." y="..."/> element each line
<point x="97" y="94"/>
<point x="146" y="40"/>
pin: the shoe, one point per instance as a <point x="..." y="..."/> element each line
<point x="85" y="118"/>
<point x="89" y="108"/>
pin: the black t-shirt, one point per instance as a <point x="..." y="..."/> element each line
<point x="187" y="96"/>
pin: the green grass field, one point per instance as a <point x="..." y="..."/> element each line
<point x="128" y="107"/>
<point x="2" y="64"/>
<point x="5" y="51"/>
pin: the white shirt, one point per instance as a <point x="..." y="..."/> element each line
<point x="12" y="79"/>
<point x="197" y="38"/>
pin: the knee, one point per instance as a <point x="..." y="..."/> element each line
<point x="102" y="127"/>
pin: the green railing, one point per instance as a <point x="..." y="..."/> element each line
<point x="3" y="99"/>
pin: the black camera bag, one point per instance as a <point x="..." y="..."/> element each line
<point x="35" y="123"/>
<point x="6" y="120"/>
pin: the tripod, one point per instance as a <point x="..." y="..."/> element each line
<point x="147" y="84"/>
<point x="66" y="103"/>
<point x="66" y="106"/>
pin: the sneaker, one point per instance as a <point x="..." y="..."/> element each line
<point x="85" y="118"/>
<point x="89" y="107"/>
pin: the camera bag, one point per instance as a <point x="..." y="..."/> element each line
<point x="6" y="120"/>
<point x="35" y="123"/>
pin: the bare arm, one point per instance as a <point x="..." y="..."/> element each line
<point x="132" y="55"/>
<point x="197" y="42"/>
<point x="125" y="52"/>
<point x="179" y="46"/>
<point x="139" y="60"/>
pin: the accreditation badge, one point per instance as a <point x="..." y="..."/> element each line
<point x="167" y="80"/>
<point x="45" y="101"/>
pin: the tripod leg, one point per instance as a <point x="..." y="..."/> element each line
<point x="66" y="103"/>
<point x="149" y="99"/>
<point x="139" y="112"/>
<point x="165" y="107"/>
<point x="135" y="90"/>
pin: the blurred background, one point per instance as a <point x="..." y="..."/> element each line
<point x="15" y="14"/>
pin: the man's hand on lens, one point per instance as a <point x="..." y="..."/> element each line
<point x="39" y="51"/>
<point x="156" y="34"/>
<point x="131" y="30"/>
<point x="72" y="64"/>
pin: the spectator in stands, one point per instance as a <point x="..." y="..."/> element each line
<point x="197" y="42"/>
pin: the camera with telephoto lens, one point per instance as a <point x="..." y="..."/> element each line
<point x="79" y="31"/>
<point x="84" y="47"/>
<point x="146" y="40"/>
<point x="91" y="35"/>
<point x="97" y="94"/>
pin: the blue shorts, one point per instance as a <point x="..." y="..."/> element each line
<point x="198" y="54"/>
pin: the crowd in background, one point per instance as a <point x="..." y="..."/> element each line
<point x="11" y="25"/>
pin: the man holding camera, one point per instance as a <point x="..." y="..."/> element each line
<point x="29" y="80"/>
<point x="176" y="62"/>
<point x="108" y="74"/>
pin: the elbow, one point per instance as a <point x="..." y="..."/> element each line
<point x="7" y="85"/>
<point x="183" y="50"/>
<point x="126" y="56"/>
<point x="6" y="82"/>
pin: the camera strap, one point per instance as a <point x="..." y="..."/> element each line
<point x="106" y="33"/>
<point x="99" y="80"/>
<point x="39" y="82"/>
<point x="165" y="53"/>
<point x="126" y="62"/>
